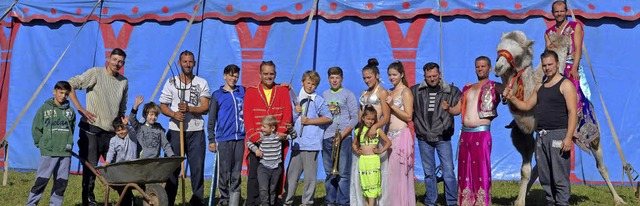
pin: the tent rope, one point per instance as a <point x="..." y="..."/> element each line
<point x="8" y="10"/>
<point x="304" y="38"/>
<point x="175" y="51"/>
<point x="35" y="94"/>
<point x="292" y="93"/>
<point x="626" y="167"/>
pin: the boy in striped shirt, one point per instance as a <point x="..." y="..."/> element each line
<point x="269" y="149"/>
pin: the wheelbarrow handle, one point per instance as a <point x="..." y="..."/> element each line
<point x="88" y="165"/>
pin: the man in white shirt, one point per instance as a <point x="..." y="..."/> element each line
<point x="185" y="98"/>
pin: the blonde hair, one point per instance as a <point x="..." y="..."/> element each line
<point x="269" y="120"/>
<point x="150" y="108"/>
<point x="311" y="75"/>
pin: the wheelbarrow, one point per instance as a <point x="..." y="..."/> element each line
<point x="150" y="173"/>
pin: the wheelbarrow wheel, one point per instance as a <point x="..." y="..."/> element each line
<point x="157" y="195"/>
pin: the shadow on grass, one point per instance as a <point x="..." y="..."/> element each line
<point x="297" y="200"/>
<point x="140" y="201"/>
<point x="440" y="201"/>
<point x="536" y="197"/>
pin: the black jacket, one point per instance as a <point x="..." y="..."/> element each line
<point x="442" y="126"/>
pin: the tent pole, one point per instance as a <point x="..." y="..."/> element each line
<point x="441" y="43"/>
<point x="5" y="174"/>
<point x="204" y="3"/>
<point x="4" y="143"/>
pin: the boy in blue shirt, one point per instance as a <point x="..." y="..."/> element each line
<point x="310" y="126"/>
<point x="226" y="134"/>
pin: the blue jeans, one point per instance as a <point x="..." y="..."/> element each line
<point x="337" y="186"/>
<point x="428" y="164"/>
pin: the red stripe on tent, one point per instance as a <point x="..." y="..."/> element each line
<point x="408" y="43"/>
<point x="470" y="13"/>
<point x="324" y="14"/>
<point x="6" y="44"/>
<point x="111" y="41"/>
<point x="404" y="54"/>
<point x="252" y="54"/>
<point x="251" y="58"/>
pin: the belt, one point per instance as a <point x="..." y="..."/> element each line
<point x="542" y="132"/>
<point x="477" y="129"/>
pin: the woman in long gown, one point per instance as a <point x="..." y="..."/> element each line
<point x="375" y="96"/>
<point x="400" y="184"/>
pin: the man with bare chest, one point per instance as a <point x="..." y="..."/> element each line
<point x="478" y="107"/>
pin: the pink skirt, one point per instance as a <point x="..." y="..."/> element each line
<point x="474" y="168"/>
<point x="400" y="180"/>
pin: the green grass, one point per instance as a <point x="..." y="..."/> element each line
<point x="503" y="192"/>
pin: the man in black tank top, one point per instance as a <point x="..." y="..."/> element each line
<point x="555" y="103"/>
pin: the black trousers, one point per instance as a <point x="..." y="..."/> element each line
<point x="253" y="191"/>
<point x="194" y="148"/>
<point x="93" y="143"/>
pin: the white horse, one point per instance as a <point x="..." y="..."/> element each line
<point x="515" y="55"/>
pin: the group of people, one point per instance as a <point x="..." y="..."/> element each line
<point x="263" y="125"/>
<point x="105" y="131"/>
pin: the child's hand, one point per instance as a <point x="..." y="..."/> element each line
<point x="139" y="100"/>
<point x="259" y="141"/>
<point x="125" y="120"/>
<point x="259" y="153"/>
<point x="298" y="108"/>
<point x="212" y="147"/>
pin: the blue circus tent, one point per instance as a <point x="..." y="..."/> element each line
<point x="344" y="33"/>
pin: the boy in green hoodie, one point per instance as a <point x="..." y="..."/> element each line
<point x="52" y="131"/>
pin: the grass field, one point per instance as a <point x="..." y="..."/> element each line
<point x="504" y="192"/>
